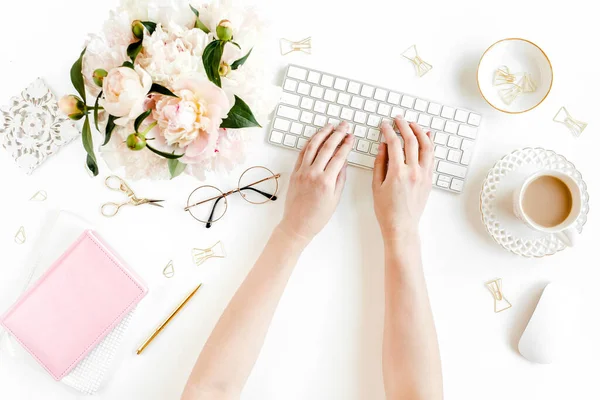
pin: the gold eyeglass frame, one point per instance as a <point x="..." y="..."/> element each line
<point x="238" y="190"/>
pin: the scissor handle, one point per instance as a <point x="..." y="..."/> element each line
<point x="115" y="183"/>
<point x="111" y="209"/>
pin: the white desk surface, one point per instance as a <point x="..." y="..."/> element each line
<point x="325" y="339"/>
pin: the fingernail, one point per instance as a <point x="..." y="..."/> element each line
<point x="399" y="116"/>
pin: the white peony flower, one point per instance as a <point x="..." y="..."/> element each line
<point x="124" y="92"/>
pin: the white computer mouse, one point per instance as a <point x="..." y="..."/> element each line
<point x="541" y="339"/>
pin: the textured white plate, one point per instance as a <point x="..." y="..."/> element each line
<point x="519" y="55"/>
<point x="496" y="201"/>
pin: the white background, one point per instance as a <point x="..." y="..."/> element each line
<point x="325" y="340"/>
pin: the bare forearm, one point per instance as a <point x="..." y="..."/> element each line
<point x="234" y="345"/>
<point x="411" y="361"/>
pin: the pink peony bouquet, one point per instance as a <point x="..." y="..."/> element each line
<point x="176" y="87"/>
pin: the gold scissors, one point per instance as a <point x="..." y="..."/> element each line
<point x="117" y="184"/>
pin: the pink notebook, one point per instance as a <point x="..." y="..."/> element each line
<point x="74" y="305"/>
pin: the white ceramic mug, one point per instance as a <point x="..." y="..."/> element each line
<point x="566" y="231"/>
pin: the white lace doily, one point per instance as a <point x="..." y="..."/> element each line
<point x="496" y="201"/>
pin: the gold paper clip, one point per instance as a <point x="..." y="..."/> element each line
<point x="40" y="195"/>
<point x="287" y="46"/>
<point x="563" y="117"/>
<point x="502" y="76"/>
<point x="527" y="84"/>
<point x="169" y="270"/>
<point x="421" y="66"/>
<point x="500" y="302"/>
<point x="510" y="93"/>
<point x="201" y="255"/>
<point x="20" y="236"/>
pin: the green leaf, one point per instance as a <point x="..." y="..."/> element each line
<point x="170" y="156"/>
<point x="134" y="49"/>
<point x="77" y="76"/>
<point x="96" y="111"/>
<point x="128" y="64"/>
<point x="176" y="168"/>
<point x="140" y="119"/>
<point x="151" y="26"/>
<point x="211" y="58"/>
<point x="110" y="126"/>
<point x="236" y="45"/>
<point x="240" y="116"/>
<point x="238" y="63"/>
<point x="156" y="88"/>
<point x="199" y="23"/>
<point x="88" y="145"/>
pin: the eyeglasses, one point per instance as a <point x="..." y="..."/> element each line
<point x="257" y="185"/>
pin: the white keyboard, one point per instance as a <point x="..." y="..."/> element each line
<point x="311" y="99"/>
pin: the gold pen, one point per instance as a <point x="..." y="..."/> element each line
<point x="166" y="322"/>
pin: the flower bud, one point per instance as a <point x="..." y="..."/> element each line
<point x="136" y="142"/>
<point x="72" y="106"/>
<point x="224" y="69"/>
<point x="99" y="75"/>
<point x="225" y="30"/>
<point x="138" y="29"/>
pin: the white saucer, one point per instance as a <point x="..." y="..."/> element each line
<point x="519" y="55"/>
<point x="496" y="201"/>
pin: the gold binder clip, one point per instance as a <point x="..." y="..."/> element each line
<point x="287" y="46"/>
<point x="510" y="93"/>
<point x="500" y="302"/>
<point x="421" y="66"/>
<point x="201" y="255"/>
<point x="563" y="117"/>
<point x="502" y="76"/>
<point x="527" y="83"/>
<point x="40" y="195"/>
<point x="20" y="236"/>
<point x="169" y="270"/>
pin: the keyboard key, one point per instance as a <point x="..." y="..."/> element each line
<point x="373" y="121"/>
<point x="334" y="121"/>
<point x="394" y="98"/>
<point x="320" y="120"/>
<point x="347" y="113"/>
<point x="281" y="124"/>
<point x="367" y="91"/>
<point x="360" y="131"/>
<point x="296" y="128"/>
<point x="290" y="99"/>
<point x="354" y="87"/>
<point x="457" y="184"/>
<point x="443" y="181"/>
<point x="340" y="84"/>
<point x="451" y="127"/>
<point x="384" y="109"/>
<point x="474" y="119"/>
<point x="434" y="109"/>
<point x="467" y="131"/>
<point x="421" y="105"/>
<point x="276" y="137"/>
<point x="317" y="92"/>
<point x="441" y="138"/>
<point x="407" y="101"/>
<point x="454" y="142"/>
<point x="397" y="111"/>
<point x="448" y="112"/>
<point x="411" y="116"/>
<point x="370" y="106"/>
<point x="357" y="102"/>
<point x="343" y="99"/>
<point x="314" y="77"/>
<point x="320" y="107"/>
<point x="304" y="88"/>
<point x="374" y="149"/>
<point x="327" y="80"/>
<point x="454" y="156"/>
<point x="307" y="117"/>
<point x="301" y="143"/>
<point x="438" y="123"/>
<point x="452" y="169"/>
<point x="360" y="117"/>
<point x="290" y="140"/>
<point x="461" y="115"/>
<point x="288" y="112"/>
<point x="297" y="72"/>
<point x="363" y="146"/>
<point x="309" y="131"/>
<point x="361" y="159"/>
<point x="290" y="85"/>
<point x="380" y="94"/>
<point x="307" y="103"/>
<point x="373" y="134"/>
<point x="441" y="152"/>
<point x="467" y="145"/>
<point x="424" y="120"/>
<point x="466" y="157"/>
<point x="350" y="127"/>
<point x="330" y="95"/>
<point x="333" y="110"/>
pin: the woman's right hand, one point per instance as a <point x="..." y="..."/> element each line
<point x="402" y="179"/>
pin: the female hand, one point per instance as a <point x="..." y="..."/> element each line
<point x="317" y="181"/>
<point x="402" y="179"/>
